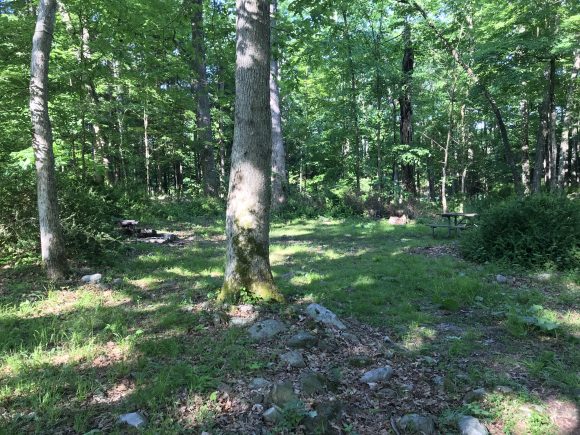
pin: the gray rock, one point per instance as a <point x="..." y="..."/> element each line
<point x="417" y="424"/>
<point x="283" y="394"/>
<point x="95" y="278"/>
<point x="438" y="380"/>
<point x="430" y="360"/>
<point x="302" y="340"/>
<point x="476" y="395"/>
<point x="544" y="277"/>
<point x="133" y="419"/>
<point x="259" y="384"/>
<point x="377" y="375"/>
<point x="319" y="420"/>
<point x="241" y="321"/>
<point x="471" y="426"/>
<point x="293" y="359"/>
<point x="324" y="315"/>
<point x="501" y="279"/>
<point x="312" y="383"/>
<point x="266" y="329"/>
<point x="503" y="389"/>
<point x="93" y="432"/>
<point x="117" y="281"/>
<point x="387" y="393"/>
<point x="272" y="415"/>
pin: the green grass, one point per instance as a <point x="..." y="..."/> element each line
<point x="141" y="346"/>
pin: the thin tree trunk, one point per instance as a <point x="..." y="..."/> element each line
<point x="147" y="150"/>
<point x="543" y="131"/>
<point x="493" y="105"/>
<point x="353" y="104"/>
<point x="200" y="89"/>
<point x="278" y="153"/>
<point x="247" y="217"/>
<point x="51" y="237"/>
<point x="447" y="145"/>
<point x="552" y="144"/>
<point x="406" y="120"/>
<point x="567" y="124"/>
<point x="525" y="114"/>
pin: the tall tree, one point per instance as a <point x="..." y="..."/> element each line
<point x="51" y="238"/>
<point x="200" y="88"/>
<point x="278" y="153"/>
<point x="406" y="118"/>
<point x="567" y="124"/>
<point x="247" y="216"/>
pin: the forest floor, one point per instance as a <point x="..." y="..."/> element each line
<point x="74" y="358"/>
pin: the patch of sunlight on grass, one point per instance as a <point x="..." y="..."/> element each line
<point x="181" y="271"/>
<point x="418" y="337"/>
<point x="364" y="280"/>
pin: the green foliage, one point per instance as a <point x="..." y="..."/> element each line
<point x="536" y="231"/>
<point x="86" y="215"/>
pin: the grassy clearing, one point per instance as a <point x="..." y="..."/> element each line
<point x="73" y="357"/>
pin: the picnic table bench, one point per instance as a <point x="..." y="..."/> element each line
<point x="460" y="222"/>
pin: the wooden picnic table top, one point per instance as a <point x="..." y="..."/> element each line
<point x="454" y="214"/>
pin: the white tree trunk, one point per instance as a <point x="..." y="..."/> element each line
<point x="278" y="152"/>
<point x="51" y="239"/>
<point x="247" y="216"/>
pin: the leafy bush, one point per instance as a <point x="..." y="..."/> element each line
<point x="536" y="231"/>
<point x="86" y="216"/>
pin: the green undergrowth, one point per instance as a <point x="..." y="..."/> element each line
<point x="71" y="355"/>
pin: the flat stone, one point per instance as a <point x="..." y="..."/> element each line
<point x="377" y="375"/>
<point x="241" y="321"/>
<point x="259" y="384"/>
<point x="476" y="395"/>
<point x="312" y="383"/>
<point x="471" y="426"/>
<point x="319" y="420"/>
<point x="501" y="279"/>
<point x="351" y="337"/>
<point x="302" y="340"/>
<point x="503" y="389"/>
<point x="117" y="281"/>
<point x="417" y="424"/>
<point x="293" y="359"/>
<point x="324" y="315"/>
<point x="266" y="329"/>
<point x="95" y="278"/>
<point x="272" y="415"/>
<point x="283" y="394"/>
<point x="133" y="419"/>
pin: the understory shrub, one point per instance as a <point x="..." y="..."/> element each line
<point x="86" y="215"/>
<point x="536" y="231"/>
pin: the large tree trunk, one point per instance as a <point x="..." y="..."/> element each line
<point x="406" y="120"/>
<point x="564" y="166"/>
<point x="200" y="89"/>
<point x="543" y="130"/>
<point x="247" y="217"/>
<point x="279" y="187"/>
<point x="51" y="238"/>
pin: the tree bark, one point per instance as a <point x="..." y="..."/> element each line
<point x="247" y="217"/>
<point x="552" y="144"/>
<point x="201" y="92"/>
<point x="279" y="185"/>
<point x="564" y="166"/>
<point x="51" y="237"/>
<point x="525" y="114"/>
<point x="543" y="131"/>
<point x="406" y="119"/>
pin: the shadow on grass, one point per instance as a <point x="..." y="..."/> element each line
<point x="360" y="270"/>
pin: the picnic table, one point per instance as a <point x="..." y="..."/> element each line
<point x="460" y="222"/>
